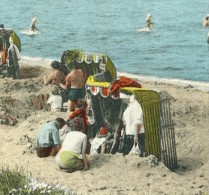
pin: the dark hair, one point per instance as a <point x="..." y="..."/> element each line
<point x="1" y="26"/>
<point x="81" y="103"/>
<point x="64" y="69"/>
<point x="77" y="65"/>
<point x="77" y="124"/>
<point x="55" y="65"/>
<point x="61" y="121"/>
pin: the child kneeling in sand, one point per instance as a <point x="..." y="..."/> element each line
<point x="55" y="101"/>
<point x="73" y="153"/>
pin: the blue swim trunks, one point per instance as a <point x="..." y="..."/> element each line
<point x="76" y="94"/>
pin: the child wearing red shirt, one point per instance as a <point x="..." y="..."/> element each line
<point x="80" y="111"/>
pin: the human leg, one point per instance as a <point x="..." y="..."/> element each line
<point x="44" y="151"/>
<point x="70" y="161"/>
<point x="71" y="105"/>
<point x="142" y="144"/>
<point x="128" y="143"/>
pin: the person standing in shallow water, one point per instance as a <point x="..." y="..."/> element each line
<point x="148" y="22"/>
<point x="206" y="21"/>
<point x="208" y="37"/>
<point x="33" y="24"/>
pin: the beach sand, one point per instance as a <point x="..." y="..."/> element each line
<point x="109" y="174"/>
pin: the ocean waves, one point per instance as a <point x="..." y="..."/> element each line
<point x="175" y="48"/>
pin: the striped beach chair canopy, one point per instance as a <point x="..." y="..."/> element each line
<point x="91" y="63"/>
<point x="4" y="39"/>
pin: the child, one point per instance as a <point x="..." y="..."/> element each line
<point x="55" y="101"/>
<point x="102" y="142"/>
<point x="80" y="111"/>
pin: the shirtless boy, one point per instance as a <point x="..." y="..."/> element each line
<point x="75" y="86"/>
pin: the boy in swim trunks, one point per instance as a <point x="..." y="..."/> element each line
<point x="75" y="86"/>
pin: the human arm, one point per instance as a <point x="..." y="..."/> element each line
<point x="57" y="143"/>
<point x="55" y="150"/>
<point x="117" y="135"/>
<point x="55" y="77"/>
<point x="66" y="83"/>
<point x="75" y="113"/>
<point x="63" y="86"/>
<point x="84" y="154"/>
<point x="136" y="133"/>
<point x="47" y="80"/>
<point x="36" y="28"/>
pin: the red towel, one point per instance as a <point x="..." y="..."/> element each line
<point x="123" y="82"/>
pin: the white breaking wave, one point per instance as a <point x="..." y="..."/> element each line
<point x="45" y="62"/>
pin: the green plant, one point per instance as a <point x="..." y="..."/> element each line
<point x="10" y="179"/>
<point x="17" y="182"/>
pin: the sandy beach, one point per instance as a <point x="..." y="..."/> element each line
<point x="109" y="174"/>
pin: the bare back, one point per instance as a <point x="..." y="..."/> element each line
<point x="75" y="79"/>
<point x="55" y="77"/>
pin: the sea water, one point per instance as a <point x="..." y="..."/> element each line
<point x="176" y="48"/>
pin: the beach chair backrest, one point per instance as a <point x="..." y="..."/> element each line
<point x="90" y="63"/>
<point x="150" y="103"/>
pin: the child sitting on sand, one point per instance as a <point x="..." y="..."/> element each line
<point x="55" y="101"/>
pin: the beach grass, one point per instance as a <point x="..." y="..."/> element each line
<point x="17" y="181"/>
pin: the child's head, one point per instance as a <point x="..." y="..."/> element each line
<point x="55" y="91"/>
<point x="82" y="104"/>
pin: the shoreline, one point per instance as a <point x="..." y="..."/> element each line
<point x="202" y="86"/>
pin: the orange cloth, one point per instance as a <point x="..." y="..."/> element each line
<point x="123" y="82"/>
<point x="3" y="57"/>
<point x="103" y="131"/>
<point x="81" y="113"/>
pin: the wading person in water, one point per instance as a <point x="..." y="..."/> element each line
<point x="206" y="21"/>
<point x="75" y="86"/>
<point x="33" y="24"/>
<point x="148" y="22"/>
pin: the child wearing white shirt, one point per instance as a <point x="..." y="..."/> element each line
<point x="55" y="101"/>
